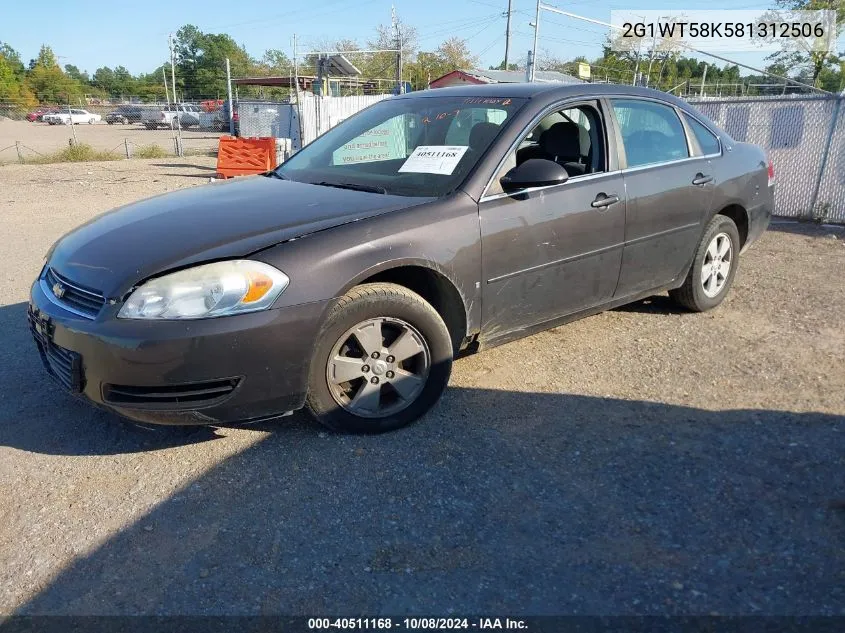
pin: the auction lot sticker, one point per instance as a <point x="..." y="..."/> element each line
<point x="434" y="159"/>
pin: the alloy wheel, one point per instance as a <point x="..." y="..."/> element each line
<point x="378" y="367"/>
<point x="717" y="264"/>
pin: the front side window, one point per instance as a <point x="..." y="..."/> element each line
<point x="707" y="141"/>
<point x="651" y="132"/>
<point x="419" y="146"/>
<point x="572" y="137"/>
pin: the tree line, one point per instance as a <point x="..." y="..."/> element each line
<point x="200" y="67"/>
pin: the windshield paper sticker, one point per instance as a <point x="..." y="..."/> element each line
<point x="434" y="159"/>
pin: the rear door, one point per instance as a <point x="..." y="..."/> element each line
<point x="556" y="250"/>
<point x="669" y="193"/>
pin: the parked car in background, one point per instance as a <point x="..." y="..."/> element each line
<point x="75" y="117"/>
<point x="211" y="105"/>
<point x="125" y="114"/>
<point x="37" y="115"/>
<point x="188" y="115"/>
<point x="348" y="278"/>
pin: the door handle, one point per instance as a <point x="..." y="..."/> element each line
<point x="701" y="179"/>
<point x="603" y="201"/>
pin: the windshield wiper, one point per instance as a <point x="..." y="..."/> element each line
<point x="352" y="185"/>
<point x="274" y="174"/>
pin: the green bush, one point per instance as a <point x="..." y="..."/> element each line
<point x="78" y="153"/>
<point x="150" y="151"/>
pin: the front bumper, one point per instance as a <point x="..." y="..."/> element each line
<point x="265" y="355"/>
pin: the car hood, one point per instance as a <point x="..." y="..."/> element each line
<point x="116" y="250"/>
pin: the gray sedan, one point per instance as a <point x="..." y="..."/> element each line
<point x="426" y="226"/>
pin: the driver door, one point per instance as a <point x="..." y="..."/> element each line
<point x="556" y="250"/>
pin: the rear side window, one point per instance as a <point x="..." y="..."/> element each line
<point x="707" y="141"/>
<point x="651" y="132"/>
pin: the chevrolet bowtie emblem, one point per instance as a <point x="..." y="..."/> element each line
<point x="58" y="290"/>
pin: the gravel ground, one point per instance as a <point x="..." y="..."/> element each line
<point x="42" y="138"/>
<point x="643" y="461"/>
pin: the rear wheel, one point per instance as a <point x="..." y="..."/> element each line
<point x="383" y="360"/>
<point x="713" y="269"/>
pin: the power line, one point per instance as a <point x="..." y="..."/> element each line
<point x="548" y="7"/>
<point x="475" y="22"/>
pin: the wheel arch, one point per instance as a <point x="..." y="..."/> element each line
<point x="739" y="215"/>
<point x="430" y="283"/>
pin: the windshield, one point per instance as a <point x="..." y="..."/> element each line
<point x="422" y="146"/>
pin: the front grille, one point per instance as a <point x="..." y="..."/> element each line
<point x="84" y="301"/>
<point x="171" y="396"/>
<point x="62" y="364"/>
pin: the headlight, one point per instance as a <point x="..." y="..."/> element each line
<point x="210" y="290"/>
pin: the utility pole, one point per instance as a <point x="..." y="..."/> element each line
<point x="508" y="34"/>
<point x="231" y="103"/>
<point x="703" y="81"/>
<point x="533" y="72"/>
<point x="175" y="103"/>
<point x="166" y="89"/>
<point x="397" y="30"/>
<point x="295" y="70"/>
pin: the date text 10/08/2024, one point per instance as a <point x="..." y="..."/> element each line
<point x="417" y="624"/>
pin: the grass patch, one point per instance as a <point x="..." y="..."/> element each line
<point x="150" y="151"/>
<point x="79" y="153"/>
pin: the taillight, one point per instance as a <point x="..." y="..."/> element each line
<point x="771" y="173"/>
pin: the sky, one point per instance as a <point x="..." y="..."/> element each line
<point x="90" y="34"/>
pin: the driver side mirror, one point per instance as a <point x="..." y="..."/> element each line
<point x="535" y="172"/>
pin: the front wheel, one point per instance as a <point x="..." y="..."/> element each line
<point x="713" y="269"/>
<point x="383" y="359"/>
<point x="91" y="121"/>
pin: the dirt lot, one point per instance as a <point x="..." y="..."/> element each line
<point x="41" y="138"/>
<point x="643" y="461"/>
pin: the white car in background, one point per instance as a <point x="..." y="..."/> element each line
<point x="72" y="116"/>
<point x="188" y="115"/>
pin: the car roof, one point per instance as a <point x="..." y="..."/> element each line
<point x="546" y="90"/>
<point x="551" y="92"/>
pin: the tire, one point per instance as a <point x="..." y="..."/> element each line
<point x="150" y="126"/>
<point x="395" y="309"/>
<point x="705" y="288"/>
<point x="90" y="121"/>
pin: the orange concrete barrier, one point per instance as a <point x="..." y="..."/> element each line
<point x="243" y="156"/>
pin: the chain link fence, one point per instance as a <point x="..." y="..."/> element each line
<point x="805" y="138"/>
<point x="302" y="121"/>
<point x="101" y="131"/>
<point x="804" y="135"/>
